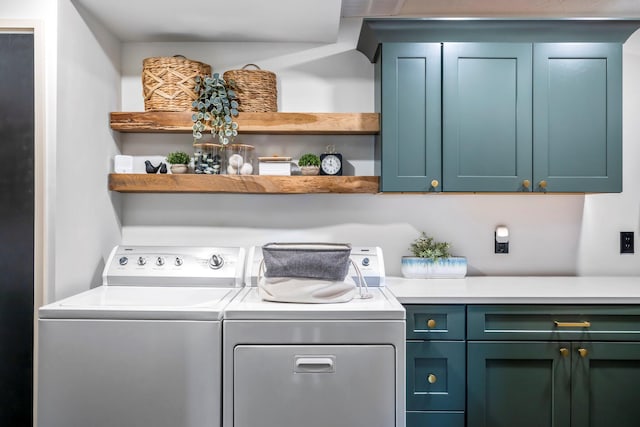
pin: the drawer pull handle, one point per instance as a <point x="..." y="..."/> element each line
<point x="583" y="352"/>
<point x="431" y="323"/>
<point x="434" y="183"/>
<point x="564" y="352"/>
<point x="584" y="324"/>
<point x="432" y="379"/>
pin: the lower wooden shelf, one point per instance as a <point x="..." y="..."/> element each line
<point x="252" y="184"/>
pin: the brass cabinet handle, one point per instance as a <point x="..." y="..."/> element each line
<point x="526" y="183"/>
<point x="583" y="352"/>
<point x="584" y="324"/>
<point x="542" y="184"/>
<point x="432" y="379"/>
<point x="431" y="323"/>
<point x="564" y="351"/>
<point x="435" y="183"/>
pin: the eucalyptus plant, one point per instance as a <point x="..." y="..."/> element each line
<point x="426" y="247"/>
<point x="215" y="107"/>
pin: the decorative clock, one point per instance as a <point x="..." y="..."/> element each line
<point x="331" y="162"/>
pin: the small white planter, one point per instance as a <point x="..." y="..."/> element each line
<point x="426" y="268"/>
<point x="178" y="168"/>
<point x="309" y="170"/>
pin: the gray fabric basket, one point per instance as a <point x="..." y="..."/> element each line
<point x="325" y="261"/>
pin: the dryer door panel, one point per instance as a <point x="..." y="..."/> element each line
<point x="314" y="386"/>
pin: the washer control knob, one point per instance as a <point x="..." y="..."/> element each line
<point x="216" y="261"/>
<point x="179" y="261"/>
<point x="365" y="262"/>
<point x="123" y="260"/>
<point x="159" y="261"/>
<point x="142" y="260"/>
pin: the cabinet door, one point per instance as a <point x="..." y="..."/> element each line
<point x="435" y="419"/>
<point x="524" y="384"/>
<point x="435" y="375"/>
<point x="605" y="384"/>
<point x="487" y="116"/>
<point x="411" y="116"/>
<point x="578" y="117"/>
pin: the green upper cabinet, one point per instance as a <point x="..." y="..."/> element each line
<point x="411" y="109"/>
<point x="541" y="117"/>
<point x="577" y="120"/>
<point x="487" y="116"/>
<point x="498" y="105"/>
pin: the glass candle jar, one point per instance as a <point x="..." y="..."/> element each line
<point x="240" y="159"/>
<point x="207" y="158"/>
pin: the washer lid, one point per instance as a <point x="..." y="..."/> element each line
<point x="382" y="306"/>
<point x="142" y="302"/>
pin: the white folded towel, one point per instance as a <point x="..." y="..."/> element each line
<point x="304" y="290"/>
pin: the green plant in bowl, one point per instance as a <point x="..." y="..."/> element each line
<point x="309" y="164"/>
<point x="309" y="159"/>
<point x="426" y="247"/>
<point x="178" y="158"/>
<point x="432" y="260"/>
<point x="179" y="161"/>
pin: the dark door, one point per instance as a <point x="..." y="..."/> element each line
<point x="16" y="228"/>
<point x="518" y="383"/>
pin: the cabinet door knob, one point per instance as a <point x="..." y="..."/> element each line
<point x="583" y="352"/>
<point x="435" y="183"/>
<point x="542" y="184"/>
<point x="432" y="379"/>
<point x="564" y="352"/>
<point x="431" y="323"/>
<point x="526" y="183"/>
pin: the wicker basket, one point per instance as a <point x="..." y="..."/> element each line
<point x="256" y="89"/>
<point x="168" y="83"/>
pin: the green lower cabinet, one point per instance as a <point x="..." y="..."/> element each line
<point x="524" y="384"/>
<point x="554" y="384"/>
<point x="435" y="375"/>
<point x="435" y="419"/>
<point x="605" y="381"/>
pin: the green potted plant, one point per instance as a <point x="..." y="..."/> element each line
<point x="178" y="161"/>
<point x="215" y="107"/>
<point x="309" y="164"/>
<point x="432" y="259"/>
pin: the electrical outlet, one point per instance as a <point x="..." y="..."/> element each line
<point x="626" y="242"/>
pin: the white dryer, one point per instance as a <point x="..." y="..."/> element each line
<point x="143" y="349"/>
<point x="315" y="365"/>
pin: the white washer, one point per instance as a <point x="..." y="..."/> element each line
<point x="143" y="349"/>
<point x="315" y="365"/>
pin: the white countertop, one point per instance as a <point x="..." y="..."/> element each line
<point x="517" y="290"/>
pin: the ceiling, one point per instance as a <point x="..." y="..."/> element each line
<point x="315" y="21"/>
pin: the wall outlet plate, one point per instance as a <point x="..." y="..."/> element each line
<point x="502" y="248"/>
<point x="627" y="242"/>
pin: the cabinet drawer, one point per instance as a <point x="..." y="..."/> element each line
<point x="436" y="375"/>
<point x="566" y="322"/>
<point x="435" y="419"/>
<point x="435" y="322"/>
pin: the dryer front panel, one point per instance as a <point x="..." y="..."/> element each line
<point x="314" y="385"/>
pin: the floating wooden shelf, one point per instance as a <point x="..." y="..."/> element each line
<point x="257" y="123"/>
<point x="256" y="184"/>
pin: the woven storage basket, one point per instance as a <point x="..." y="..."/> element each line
<point x="256" y="89"/>
<point x="168" y="83"/>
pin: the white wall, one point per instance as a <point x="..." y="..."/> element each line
<point x="550" y="234"/>
<point x="87" y="215"/>
<point x="605" y="215"/>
